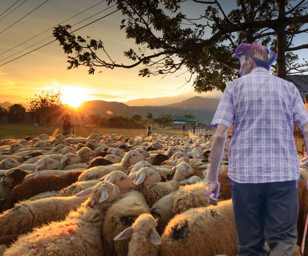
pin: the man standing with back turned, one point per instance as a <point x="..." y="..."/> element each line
<point x="263" y="163"/>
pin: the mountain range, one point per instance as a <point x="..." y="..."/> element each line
<point x="201" y="107"/>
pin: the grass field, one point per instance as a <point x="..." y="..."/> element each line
<point x="19" y="131"/>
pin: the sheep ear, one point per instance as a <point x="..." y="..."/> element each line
<point x="104" y="196"/>
<point x="41" y="163"/>
<point x="132" y="176"/>
<point x="155" y="237"/>
<point x="140" y="179"/>
<point x="102" y="178"/>
<point x="126" y="233"/>
<point x="110" y="179"/>
<point x="85" y="192"/>
<point x="183" y="182"/>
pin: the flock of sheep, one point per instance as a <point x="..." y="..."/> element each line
<point x="111" y="195"/>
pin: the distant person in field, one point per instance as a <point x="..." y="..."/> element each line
<point x="262" y="160"/>
<point x="149" y="129"/>
<point x="67" y="125"/>
<point x="183" y="127"/>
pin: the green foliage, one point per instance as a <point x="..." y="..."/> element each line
<point x="16" y="113"/>
<point x="123" y="122"/>
<point x="46" y="106"/>
<point x="149" y="116"/>
<point x="164" y="120"/>
<point x="168" y="40"/>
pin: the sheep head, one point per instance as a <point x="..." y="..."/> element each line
<point x="102" y="192"/>
<point x="131" y="158"/>
<point x="120" y="179"/>
<point x="145" y="225"/>
<point x="147" y="176"/>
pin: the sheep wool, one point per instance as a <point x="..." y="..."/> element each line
<point x="78" y="234"/>
<point x="203" y="231"/>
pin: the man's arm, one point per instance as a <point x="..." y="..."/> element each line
<point x="217" y="149"/>
<point x="305" y="133"/>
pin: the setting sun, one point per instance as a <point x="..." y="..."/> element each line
<point x="74" y="96"/>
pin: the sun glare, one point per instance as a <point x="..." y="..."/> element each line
<point x="74" y="96"/>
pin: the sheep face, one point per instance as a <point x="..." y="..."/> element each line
<point x="147" y="176"/>
<point x="85" y="154"/>
<point x="101" y="192"/>
<point x="131" y="157"/>
<point x="120" y="179"/>
<point x="136" y="167"/>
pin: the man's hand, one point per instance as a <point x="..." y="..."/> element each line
<point x="212" y="192"/>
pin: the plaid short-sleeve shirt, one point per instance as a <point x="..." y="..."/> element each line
<point x="263" y="108"/>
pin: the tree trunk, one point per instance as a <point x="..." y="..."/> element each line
<point x="281" y="41"/>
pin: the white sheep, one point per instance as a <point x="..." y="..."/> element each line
<point x="120" y="179"/>
<point x="47" y="163"/>
<point x="69" y="158"/>
<point x="23" y="217"/>
<point x="78" y="234"/>
<point x="160" y="189"/>
<point x="8" y="163"/>
<point x="120" y="216"/>
<point x="204" y="231"/>
<point x="97" y="172"/>
<point x="77" y="187"/>
<point x="144" y="237"/>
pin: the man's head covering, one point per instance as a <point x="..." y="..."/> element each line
<point x="258" y="52"/>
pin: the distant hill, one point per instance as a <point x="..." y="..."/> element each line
<point x="160" y="101"/>
<point x="5" y="104"/>
<point x="202" y="108"/>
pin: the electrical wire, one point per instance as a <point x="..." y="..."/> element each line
<point x="13" y="9"/>
<point x="9" y="8"/>
<point x="48" y="36"/>
<point x="27" y="53"/>
<point x="24" y="16"/>
<point x="30" y="39"/>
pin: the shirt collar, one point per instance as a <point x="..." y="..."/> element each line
<point x="259" y="69"/>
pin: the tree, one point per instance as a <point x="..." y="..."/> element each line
<point x="164" y="120"/>
<point x="46" y="106"/>
<point x="149" y="116"/>
<point x="189" y="116"/>
<point x="170" y="40"/>
<point x="136" y="118"/>
<point x="16" y="113"/>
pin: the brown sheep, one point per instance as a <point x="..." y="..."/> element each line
<point x="42" y="184"/>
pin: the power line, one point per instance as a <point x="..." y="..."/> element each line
<point x="24" y="16"/>
<point x="49" y="36"/>
<point x="9" y="8"/>
<point x="55" y="39"/>
<point x="53" y="27"/>
<point x="14" y="9"/>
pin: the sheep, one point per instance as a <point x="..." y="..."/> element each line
<point x="97" y="172"/>
<point x="99" y="160"/>
<point x="112" y="158"/>
<point x="159" y="158"/>
<point x="76" y="166"/>
<point x="144" y="237"/>
<point x="121" y="180"/>
<point x="42" y="184"/>
<point x="120" y="216"/>
<point x="162" y="210"/>
<point x="86" y="154"/>
<point x="29" y="214"/>
<point x="8" y="180"/>
<point x="145" y="177"/>
<point x="69" y="158"/>
<point x="77" y="187"/>
<point x="47" y="163"/>
<point x="194" y="232"/>
<point x="78" y="234"/>
<point x="8" y="163"/>
<point x="137" y="166"/>
<point x="44" y="173"/>
<point x="160" y="189"/>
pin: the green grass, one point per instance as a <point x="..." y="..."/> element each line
<point x="19" y="131"/>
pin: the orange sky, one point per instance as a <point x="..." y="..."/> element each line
<point x="46" y="68"/>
